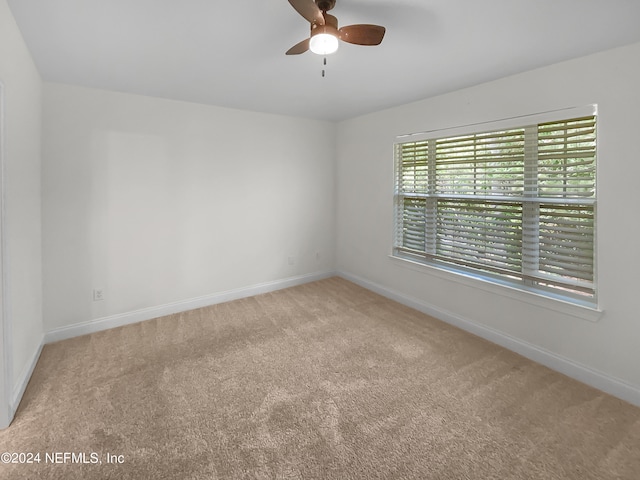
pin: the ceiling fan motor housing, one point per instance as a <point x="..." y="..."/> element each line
<point x="330" y="26"/>
<point x="325" y="5"/>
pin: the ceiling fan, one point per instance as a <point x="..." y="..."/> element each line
<point x="325" y="32"/>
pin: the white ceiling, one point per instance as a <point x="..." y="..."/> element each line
<point x="232" y="53"/>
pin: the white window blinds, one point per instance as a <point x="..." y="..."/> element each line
<point x="516" y="204"/>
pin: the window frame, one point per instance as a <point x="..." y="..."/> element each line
<point x="463" y="272"/>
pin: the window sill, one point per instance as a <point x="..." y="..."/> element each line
<point x="566" y="307"/>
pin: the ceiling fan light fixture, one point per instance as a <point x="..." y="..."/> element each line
<point x="325" y="34"/>
<point x="323" y="43"/>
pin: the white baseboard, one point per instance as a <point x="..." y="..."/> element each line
<point x="566" y="366"/>
<point x="135" y="316"/>
<point x="23" y="380"/>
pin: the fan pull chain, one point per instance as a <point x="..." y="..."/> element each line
<point x="324" y="63"/>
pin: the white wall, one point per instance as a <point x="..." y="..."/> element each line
<point x="158" y="201"/>
<point x="608" y="346"/>
<point x="22" y="88"/>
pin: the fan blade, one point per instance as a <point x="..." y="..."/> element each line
<point x="362" y="34"/>
<point x="299" y="48"/>
<point x="309" y="10"/>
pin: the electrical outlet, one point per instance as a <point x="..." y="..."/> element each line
<point x="98" y="294"/>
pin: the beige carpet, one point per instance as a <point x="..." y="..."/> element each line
<point x="321" y="381"/>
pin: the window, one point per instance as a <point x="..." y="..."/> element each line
<point x="509" y="204"/>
